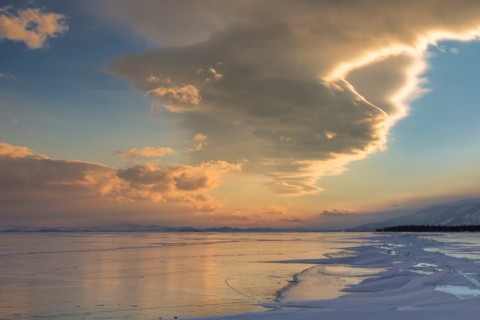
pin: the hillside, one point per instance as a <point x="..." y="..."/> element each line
<point x="463" y="212"/>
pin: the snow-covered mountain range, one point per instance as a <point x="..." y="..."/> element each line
<point x="463" y="212"/>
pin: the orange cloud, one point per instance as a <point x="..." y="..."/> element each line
<point x="10" y="151"/>
<point x="179" y="182"/>
<point x="255" y="216"/>
<point x="200" y="142"/>
<point x="26" y="175"/>
<point x="178" y="98"/>
<point x="144" y="152"/>
<point x="31" y="26"/>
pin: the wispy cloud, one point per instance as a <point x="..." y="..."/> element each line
<point x="31" y="26"/>
<point x="146" y="152"/>
<point x="6" y="75"/>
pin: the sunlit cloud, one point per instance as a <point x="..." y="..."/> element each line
<point x="26" y="175"/>
<point x="257" y="216"/>
<point x="336" y="213"/>
<point x="180" y="98"/>
<point x="200" y="142"/>
<point x="146" y="152"/>
<point x="30" y="26"/>
<point x="11" y="151"/>
<point x="298" y="88"/>
<point x="181" y="183"/>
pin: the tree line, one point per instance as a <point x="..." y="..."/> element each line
<point x="430" y="228"/>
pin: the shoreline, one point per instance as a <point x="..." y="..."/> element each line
<point x="411" y="283"/>
<point x="333" y="291"/>
<point x="280" y="294"/>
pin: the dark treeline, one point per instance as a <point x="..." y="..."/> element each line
<point x="427" y="228"/>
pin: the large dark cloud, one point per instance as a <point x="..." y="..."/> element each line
<point x="298" y="88"/>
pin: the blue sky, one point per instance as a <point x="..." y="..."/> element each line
<point x="69" y="91"/>
<point x="236" y="155"/>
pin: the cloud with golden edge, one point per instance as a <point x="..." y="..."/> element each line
<point x="30" y="26"/>
<point x="182" y="98"/>
<point x="299" y="88"/>
<point x="146" y="152"/>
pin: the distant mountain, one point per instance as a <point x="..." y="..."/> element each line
<point x="463" y="212"/>
<point x="127" y="227"/>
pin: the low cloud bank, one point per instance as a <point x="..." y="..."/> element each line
<point x="25" y="175"/>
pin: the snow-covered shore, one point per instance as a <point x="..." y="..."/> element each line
<point x="411" y="284"/>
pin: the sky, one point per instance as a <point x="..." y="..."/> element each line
<point x="248" y="113"/>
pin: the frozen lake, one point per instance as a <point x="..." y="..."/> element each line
<point x="152" y="275"/>
<point x="460" y="245"/>
<point x="414" y="279"/>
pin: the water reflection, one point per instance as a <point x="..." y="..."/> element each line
<point x="150" y="275"/>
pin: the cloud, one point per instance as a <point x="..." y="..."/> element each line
<point x="336" y="213"/>
<point x="294" y="220"/>
<point x="299" y="88"/>
<point x="270" y="210"/>
<point x="442" y="48"/>
<point x="182" y="98"/>
<point x="11" y="151"/>
<point x="183" y="183"/>
<point x="30" y="26"/>
<point x="200" y="142"/>
<point x="25" y="175"/>
<point x="146" y="152"/>
<point x="255" y="216"/>
<point x="6" y="75"/>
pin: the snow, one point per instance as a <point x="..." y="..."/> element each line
<point x="463" y="212"/>
<point x="460" y="292"/>
<point x="411" y="283"/>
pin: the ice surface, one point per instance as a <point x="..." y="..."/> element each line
<point x="140" y="275"/>
<point x="447" y="289"/>
<point x="144" y="276"/>
<point x="461" y="292"/>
